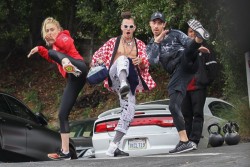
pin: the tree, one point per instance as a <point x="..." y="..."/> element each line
<point x="226" y="20"/>
<point x="13" y="18"/>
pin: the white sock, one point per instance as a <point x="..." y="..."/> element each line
<point x="65" y="152"/>
<point x="118" y="136"/>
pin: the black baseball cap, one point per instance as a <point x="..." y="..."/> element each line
<point x="158" y="15"/>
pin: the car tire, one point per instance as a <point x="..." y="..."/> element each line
<point x="73" y="153"/>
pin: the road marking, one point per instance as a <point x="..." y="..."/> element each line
<point x="185" y="155"/>
<point x="157" y="156"/>
<point x="104" y="158"/>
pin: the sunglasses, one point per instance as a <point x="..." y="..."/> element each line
<point x="129" y="26"/>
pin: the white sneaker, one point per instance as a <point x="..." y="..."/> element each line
<point x="70" y="68"/>
<point x="124" y="89"/>
<point x="111" y="149"/>
<point x="198" y="28"/>
<point x="195" y="147"/>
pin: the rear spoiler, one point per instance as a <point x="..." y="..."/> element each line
<point x="137" y="108"/>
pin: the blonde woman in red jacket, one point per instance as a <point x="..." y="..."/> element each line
<point x="71" y="66"/>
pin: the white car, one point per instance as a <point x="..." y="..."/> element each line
<point x="152" y="130"/>
<point x="213" y="109"/>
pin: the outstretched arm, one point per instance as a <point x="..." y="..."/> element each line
<point x="42" y="51"/>
<point x="33" y="51"/>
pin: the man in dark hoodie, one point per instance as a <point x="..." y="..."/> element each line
<point x="193" y="103"/>
<point x="175" y="51"/>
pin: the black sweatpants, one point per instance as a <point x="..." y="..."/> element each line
<point x="192" y="109"/>
<point x="73" y="87"/>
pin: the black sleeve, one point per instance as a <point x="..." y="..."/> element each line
<point x="211" y="67"/>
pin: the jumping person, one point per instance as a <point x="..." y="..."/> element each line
<point x="175" y="51"/>
<point x="71" y="66"/>
<point x="126" y="59"/>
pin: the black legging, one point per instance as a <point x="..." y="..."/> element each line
<point x="175" y="109"/>
<point x="188" y="66"/>
<point x="72" y="89"/>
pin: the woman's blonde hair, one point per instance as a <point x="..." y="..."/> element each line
<point x="47" y="21"/>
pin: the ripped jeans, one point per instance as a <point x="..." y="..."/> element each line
<point x="127" y="105"/>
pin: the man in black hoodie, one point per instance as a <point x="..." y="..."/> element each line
<point x="175" y="51"/>
<point x="193" y="103"/>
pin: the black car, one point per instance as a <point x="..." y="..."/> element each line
<point x="24" y="135"/>
<point x="81" y="133"/>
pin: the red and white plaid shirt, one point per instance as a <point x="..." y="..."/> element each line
<point x="105" y="54"/>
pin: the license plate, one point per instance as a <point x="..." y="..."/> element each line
<point x="137" y="144"/>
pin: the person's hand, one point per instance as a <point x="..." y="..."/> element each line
<point x="203" y="49"/>
<point x="49" y="39"/>
<point x="159" y="38"/>
<point x="98" y="62"/>
<point x="33" y="51"/>
<point x="136" y="61"/>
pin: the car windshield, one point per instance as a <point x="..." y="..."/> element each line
<point x="75" y="130"/>
<point x="19" y="109"/>
<point x="81" y="130"/>
<point x="221" y="109"/>
<point x="4" y="108"/>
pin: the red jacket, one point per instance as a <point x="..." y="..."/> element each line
<point x="64" y="44"/>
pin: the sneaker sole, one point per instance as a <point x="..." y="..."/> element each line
<point x="58" y="159"/>
<point x="124" y="91"/>
<point x="72" y="69"/>
<point x="200" y="30"/>
<point x="203" y="33"/>
<point x="121" y="156"/>
<point x="64" y="159"/>
<point x="189" y="149"/>
<point x="110" y="155"/>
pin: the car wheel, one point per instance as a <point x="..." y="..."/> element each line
<point x="73" y="153"/>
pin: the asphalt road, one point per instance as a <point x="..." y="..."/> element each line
<point x="224" y="156"/>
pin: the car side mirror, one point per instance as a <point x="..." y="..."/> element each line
<point x="42" y="119"/>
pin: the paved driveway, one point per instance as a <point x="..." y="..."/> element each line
<point x="224" y="156"/>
